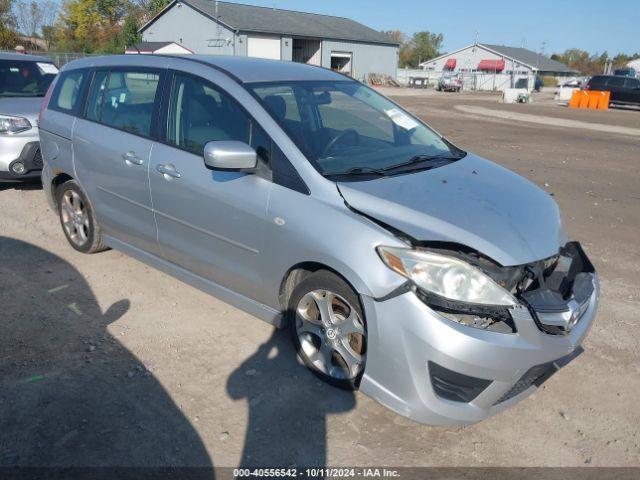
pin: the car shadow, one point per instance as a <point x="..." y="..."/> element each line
<point x="71" y="395"/>
<point x="288" y="407"/>
<point x="23" y="185"/>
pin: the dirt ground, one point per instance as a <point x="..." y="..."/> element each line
<point x="104" y="361"/>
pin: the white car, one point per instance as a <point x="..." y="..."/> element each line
<point x="24" y="80"/>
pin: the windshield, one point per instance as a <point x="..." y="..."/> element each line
<point x="20" y="78"/>
<point x="344" y="128"/>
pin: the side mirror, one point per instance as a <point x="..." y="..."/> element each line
<point x="229" y="155"/>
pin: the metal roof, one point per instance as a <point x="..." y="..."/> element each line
<point x="150" y="46"/>
<point x="250" y="18"/>
<point x="528" y="57"/>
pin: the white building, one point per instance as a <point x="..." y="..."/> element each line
<point x="495" y="67"/>
<point x="222" y="28"/>
<point x="158" y="48"/>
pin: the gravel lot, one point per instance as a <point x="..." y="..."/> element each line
<point x="104" y="361"/>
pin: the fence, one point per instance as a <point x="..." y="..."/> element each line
<point x="476" y="81"/>
<point x="59" y="58"/>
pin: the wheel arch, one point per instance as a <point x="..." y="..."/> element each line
<point x="56" y="181"/>
<point x="298" y="272"/>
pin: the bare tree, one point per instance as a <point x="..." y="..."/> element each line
<point x="32" y="15"/>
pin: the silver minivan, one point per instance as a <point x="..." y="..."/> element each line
<point x="435" y="281"/>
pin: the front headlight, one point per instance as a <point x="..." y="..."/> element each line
<point x="445" y="276"/>
<point x="10" y="124"/>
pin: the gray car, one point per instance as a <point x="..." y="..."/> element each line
<point x="433" y="280"/>
<point x="24" y="80"/>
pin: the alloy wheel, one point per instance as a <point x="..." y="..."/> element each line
<point x="331" y="334"/>
<point x="75" y="217"/>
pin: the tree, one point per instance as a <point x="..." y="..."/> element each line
<point x="49" y="35"/>
<point x="130" y="35"/>
<point x="426" y="45"/>
<point x="79" y="26"/>
<point x="33" y="15"/>
<point x="149" y="8"/>
<point x="8" y="36"/>
<point x="420" y="47"/>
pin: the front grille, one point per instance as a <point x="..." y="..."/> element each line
<point x="535" y="375"/>
<point x="538" y="375"/>
<point x="455" y="386"/>
<point x="37" y="160"/>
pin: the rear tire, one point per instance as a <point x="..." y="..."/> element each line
<point x="77" y="218"/>
<point x="328" y="329"/>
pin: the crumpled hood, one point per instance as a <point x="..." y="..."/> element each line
<point x="28" y="107"/>
<point x="472" y="202"/>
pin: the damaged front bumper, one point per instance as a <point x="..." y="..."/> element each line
<point x="439" y="372"/>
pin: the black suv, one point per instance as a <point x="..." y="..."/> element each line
<point x="624" y="90"/>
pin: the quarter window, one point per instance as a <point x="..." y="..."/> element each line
<point x="200" y="113"/>
<point x="67" y="91"/>
<point x="124" y="100"/>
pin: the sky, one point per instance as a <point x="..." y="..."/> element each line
<point x="595" y="26"/>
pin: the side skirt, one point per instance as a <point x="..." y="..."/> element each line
<point x="263" y="312"/>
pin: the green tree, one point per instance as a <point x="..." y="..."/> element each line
<point x="130" y="35"/>
<point x="426" y="45"/>
<point x="153" y="7"/>
<point x="8" y="35"/>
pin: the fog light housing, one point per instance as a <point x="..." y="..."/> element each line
<point x="18" y="168"/>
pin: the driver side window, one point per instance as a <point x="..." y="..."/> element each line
<point x="201" y="113"/>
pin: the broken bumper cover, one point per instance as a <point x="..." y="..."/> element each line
<point x="412" y="349"/>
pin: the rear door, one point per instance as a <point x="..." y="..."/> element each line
<point x="616" y="86"/>
<point x="632" y="90"/>
<point x="211" y="223"/>
<point x="113" y="144"/>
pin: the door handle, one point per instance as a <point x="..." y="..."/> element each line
<point x="131" y="158"/>
<point x="168" y="170"/>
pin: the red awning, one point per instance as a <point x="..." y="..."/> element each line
<point x="450" y="64"/>
<point x="491" y="65"/>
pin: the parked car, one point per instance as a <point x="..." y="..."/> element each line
<point x="449" y="83"/>
<point x="24" y="80"/>
<point x="437" y="282"/>
<point x="573" y="83"/>
<point x="624" y="90"/>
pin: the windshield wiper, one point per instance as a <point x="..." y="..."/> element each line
<point x="383" y="172"/>
<point x="421" y="159"/>
<point x="360" y="171"/>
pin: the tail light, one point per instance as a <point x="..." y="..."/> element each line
<point x="45" y="101"/>
<point x="586" y="87"/>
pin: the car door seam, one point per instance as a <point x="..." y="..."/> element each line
<point x="153" y="209"/>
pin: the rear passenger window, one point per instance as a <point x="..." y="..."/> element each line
<point x="124" y="100"/>
<point x="200" y="113"/>
<point x="616" y="81"/>
<point x="67" y="91"/>
<point x="631" y="83"/>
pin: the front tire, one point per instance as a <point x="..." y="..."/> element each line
<point x="328" y="329"/>
<point x="78" y="219"/>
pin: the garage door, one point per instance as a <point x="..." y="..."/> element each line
<point x="264" y="47"/>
